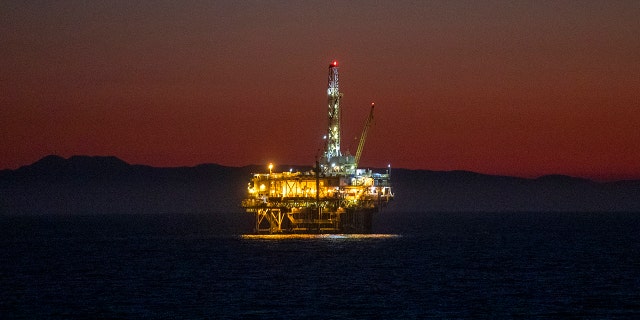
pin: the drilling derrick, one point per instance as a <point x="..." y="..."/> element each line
<point x="332" y="148"/>
<point x="334" y="197"/>
<point x="333" y="161"/>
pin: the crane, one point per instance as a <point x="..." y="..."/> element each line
<point x="363" y="137"/>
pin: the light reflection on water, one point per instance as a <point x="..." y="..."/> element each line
<point x="317" y="236"/>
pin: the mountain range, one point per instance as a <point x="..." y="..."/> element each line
<point x="108" y="185"/>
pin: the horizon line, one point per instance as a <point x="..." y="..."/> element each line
<point x="601" y="178"/>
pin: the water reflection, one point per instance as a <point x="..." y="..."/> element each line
<point x="317" y="236"/>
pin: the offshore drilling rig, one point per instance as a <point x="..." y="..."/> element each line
<point x="334" y="197"/>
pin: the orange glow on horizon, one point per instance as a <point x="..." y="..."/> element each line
<point x="534" y="88"/>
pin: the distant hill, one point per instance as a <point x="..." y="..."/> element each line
<point x="104" y="185"/>
<point x="108" y="185"/>
<point x="473" y="192"/>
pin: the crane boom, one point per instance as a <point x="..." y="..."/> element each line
<point x="363" y="137"/>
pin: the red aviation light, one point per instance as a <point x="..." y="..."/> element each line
<point x="334" y="63"/>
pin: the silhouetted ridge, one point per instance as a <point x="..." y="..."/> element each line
<point x="84" y="184"/>
<point x="54" y="167"/>
<point x="97" y="163"/>
<point x="559" y="178"/>
<point x="50" y="162"/>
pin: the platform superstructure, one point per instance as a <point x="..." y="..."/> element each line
<point x="334" y="197"/>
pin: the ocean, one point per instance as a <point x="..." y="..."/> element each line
<point x="416" y="266"/>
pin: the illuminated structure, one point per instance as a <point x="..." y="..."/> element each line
<point x="334" y="197"/>
<point x="333" y="96"/>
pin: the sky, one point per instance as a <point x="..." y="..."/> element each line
<point x="520" y="88"/>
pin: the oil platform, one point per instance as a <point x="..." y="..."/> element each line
<point x="334" y="197"/>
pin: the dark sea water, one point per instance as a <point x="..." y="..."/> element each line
<point x="425" y="265"/>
